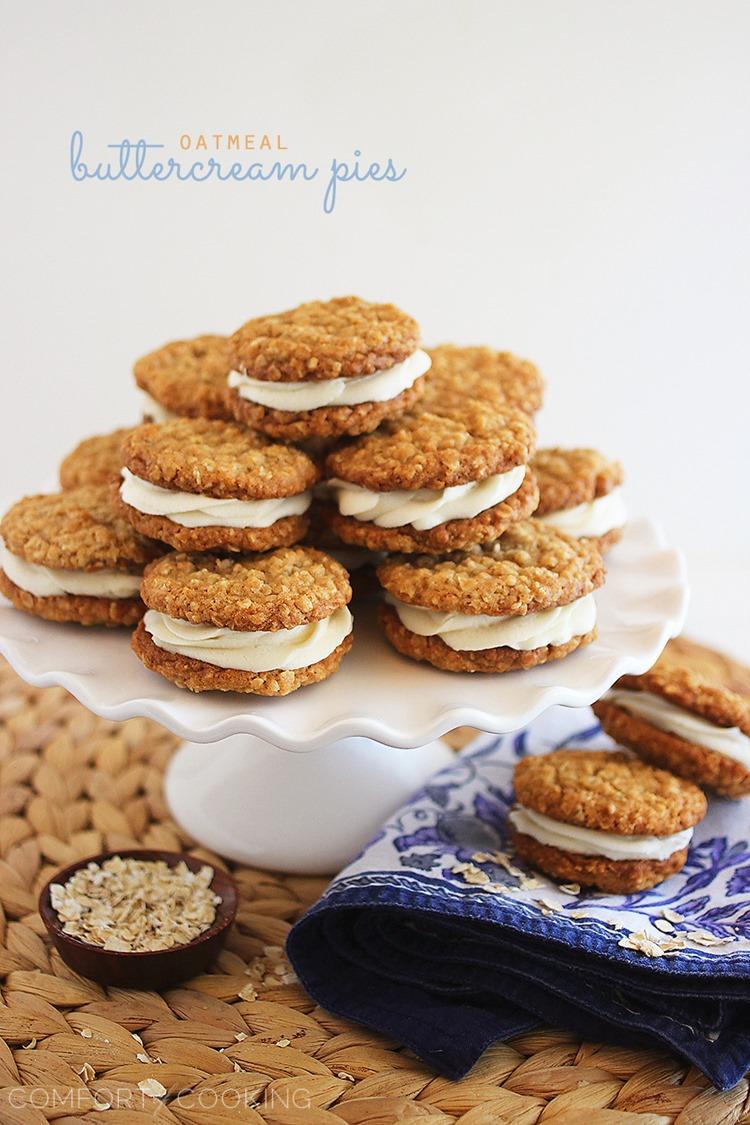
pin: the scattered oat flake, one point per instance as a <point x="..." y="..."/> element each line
<point x="345" y="1076"/>
<point x="240" y="1036"/>
<point x="664" y="925"/>
<point x="571" y="888"/>
<point x="87" y="1033"/>
<point x="151" y="1088"/>
<point x="705" y="937"/>
<point x="283" y="1042"/>
<point x="470" y="873"/>
<point x="29" y="1046"/>
<point x="671" y="915"/>
<point x="101" y="1106"/>
<point x="143" y="1057"/>
<point x="248" y="993"/>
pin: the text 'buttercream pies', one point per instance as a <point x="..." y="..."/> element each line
<point x="433" y="483"/>
<point x="603" y="818"/>
<point x="686" y="723"/>
<point x="70" y="556"/>
<point x="326" y="368"/>
<point x="580" y="492"/>
<point x="185" y="379"/>
<point x="266" y="624"/>
<point x="95" y="460"/>
<point x="200" y="484"/>
<point x="516" y="603"/>
<point x="462" y="375"/>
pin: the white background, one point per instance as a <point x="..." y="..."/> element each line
<point x="577" y="191"/>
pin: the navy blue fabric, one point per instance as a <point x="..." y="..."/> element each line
<point x="447" y="969"/>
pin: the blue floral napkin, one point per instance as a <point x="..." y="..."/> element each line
<point x="438" y="937"/>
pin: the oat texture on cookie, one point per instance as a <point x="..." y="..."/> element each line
<point x="278" y="590"/>
<point x="188" y="377"/>
<point x="79" y="529"/>
<point x="531" y="568"/>
<point x="568" y="477"/>
<point x="345" y="337"/>
<point x="219" y="459"/>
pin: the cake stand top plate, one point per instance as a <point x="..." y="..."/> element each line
<point x="376" y="693"/>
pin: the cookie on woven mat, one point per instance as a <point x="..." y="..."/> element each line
<point x="580" y="493"/>
<point x="603" y="819"/>
<point x="432" y="483"/>
<point x="516" y="603"/>
<point x="685" y="722"/>
<point x="479" y="374"/>
<point x="265" y="624"/>
<point x="70" y="556"/>
<point x="201" y="484"/>
<point x="95" y="460"/>
<point x="185" y="378"/>
<point x="326" y="368"/>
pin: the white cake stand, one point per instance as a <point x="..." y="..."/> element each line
<point x="374" y="727"/>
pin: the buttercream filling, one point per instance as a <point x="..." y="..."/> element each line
<point x="729" y="741"/>
<point x="258" y="651"/>
<point x="191" y="509"/>
<point x="426" y="508"/>
<point x="52" y="582"/>
<point x="316" y="393"/>
<point x="592" y="841"/>
<point x="472" y="632"/>
<point x="591" y="519"/>
<point x="154" y="410"/>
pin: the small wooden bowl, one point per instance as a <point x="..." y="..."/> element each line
<point x="149" y="970"/>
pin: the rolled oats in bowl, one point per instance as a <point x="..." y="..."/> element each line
<point x="134" y="905"/>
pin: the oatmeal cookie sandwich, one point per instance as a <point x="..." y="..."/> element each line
<point x="433" y="483"/>
<point x="201" y="484"/>
<point x="479" y="374"/>
<point x="603" y="819"/>
<point x="265" y="624"/>
<point x="516" y="603"/>
<point x="70" y="556"/>
<point x="325" y="368"/>
<point x="95" y="460"/>
<point x="580" y="493"/>
<point x="685" y="722"/>
<point x="186" y="378"/>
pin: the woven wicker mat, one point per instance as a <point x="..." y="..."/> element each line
<point x="244" y="1042"/>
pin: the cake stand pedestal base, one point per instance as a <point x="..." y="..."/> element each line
<point x="307" y="813"/>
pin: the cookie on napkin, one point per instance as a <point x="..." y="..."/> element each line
<point x="685" y="722"/>
<point x="603" y="819"/>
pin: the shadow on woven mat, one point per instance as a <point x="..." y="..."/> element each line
<point x="243" y="1043"/>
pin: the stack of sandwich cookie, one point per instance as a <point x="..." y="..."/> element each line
<point x="479" y="374"/>
<point x="434" y="483"/>
<point x="199" y="484"/>
<point x="266" y="624"/>
<point x="326" y="368"/>
<point x="96" y="460"/>
<point x="187" y="378"/>
<point x="516" y="603"/>
<point x="70" y="556"/>
<point x="685" y="722"/>
<point x="603" y="819"/>
<point x="580" y="493"/>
